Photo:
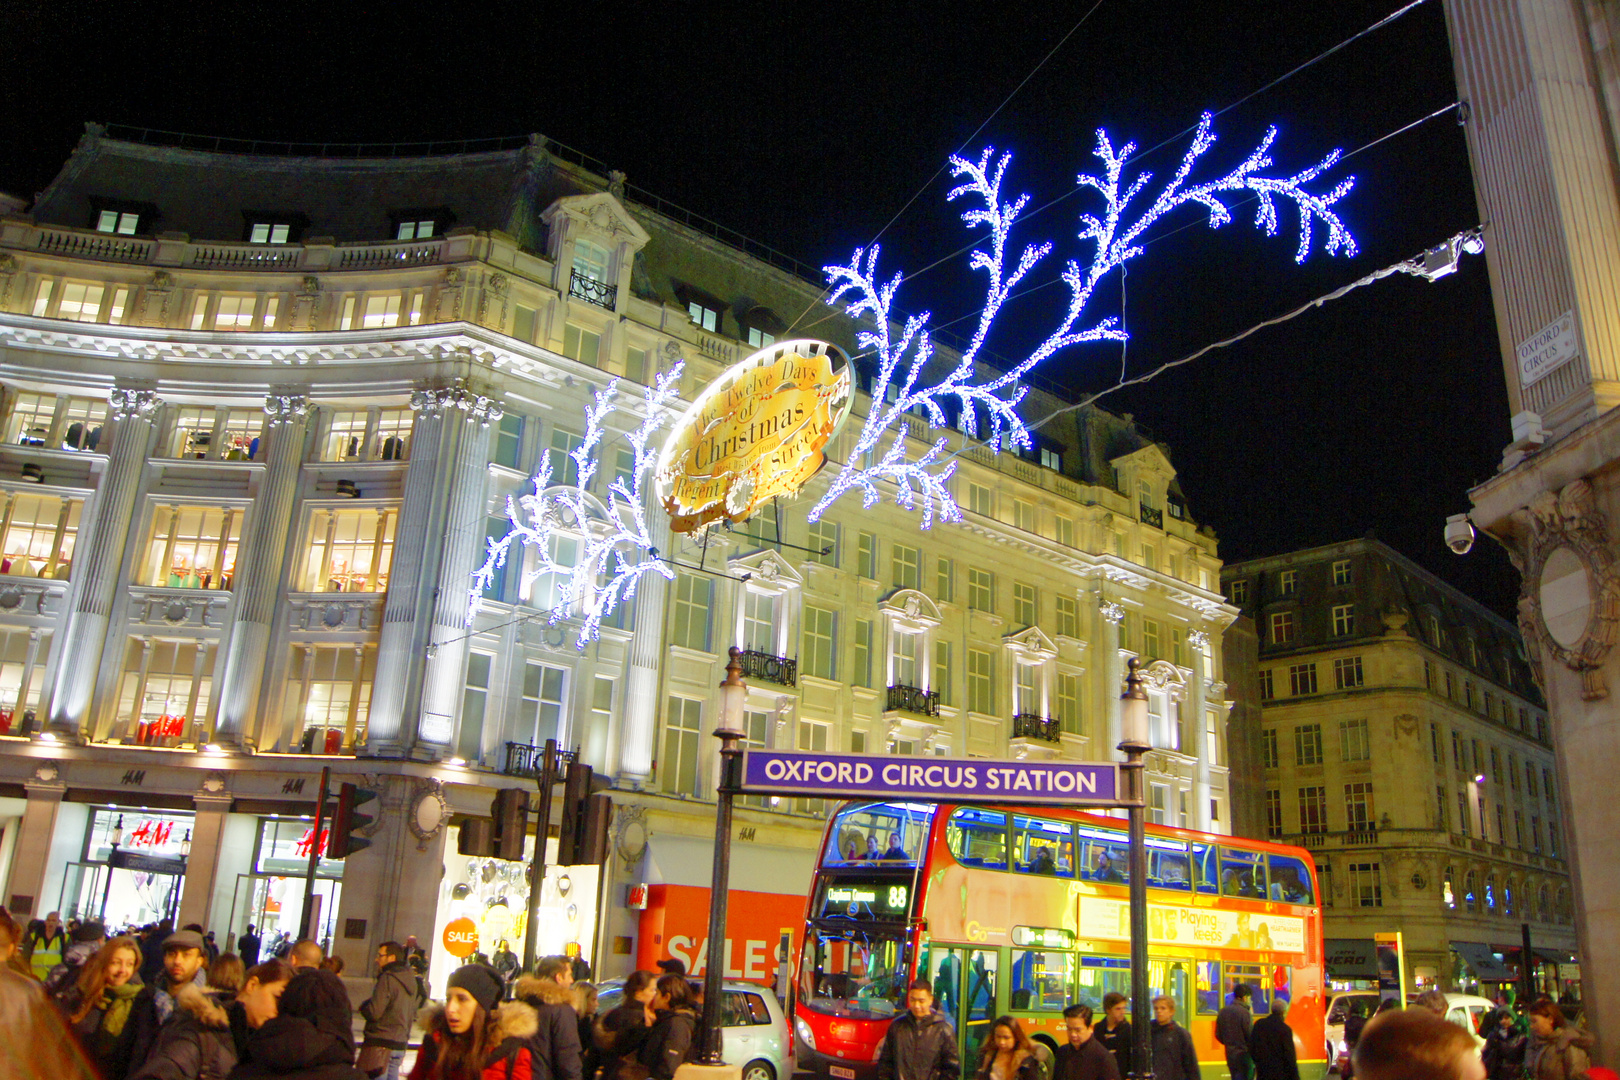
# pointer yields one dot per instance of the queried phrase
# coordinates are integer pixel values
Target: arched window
(1564, 913)
(1448, 896)
(1508, 890)
(1471, 891)
(1490, 894)
(1544, 904)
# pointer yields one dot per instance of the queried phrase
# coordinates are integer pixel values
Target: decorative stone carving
(285, 409)
(630, 834)
(47, 772)
(616, 179)
(1198, 639)
(492, 304)
(8, 275)
(476, 406)
(1114, 613)
(11, 599)
(429, 812)
(449, 307)
(1567, 561)
(155, 298)
(132, 404)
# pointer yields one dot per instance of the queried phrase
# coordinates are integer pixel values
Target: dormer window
(590, 260)
(758, 339)
(269, 232)
(420, 223)
(416, 230)
(762, 327)
(272, 226)
(123, 222)
(703, 315)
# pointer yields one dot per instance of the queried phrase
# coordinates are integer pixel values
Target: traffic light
(476, 838)
(343, 840)
(511, 813)
(593, 834)
(576, 789)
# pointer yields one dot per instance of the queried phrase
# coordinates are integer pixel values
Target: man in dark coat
(1271, 1044)
(556, 1042)
(392, 1006)
(247, 946)
(1083, 1057)
(1115, 1031)
(920, 1044)
(1232, 1031)
(1174, 1057)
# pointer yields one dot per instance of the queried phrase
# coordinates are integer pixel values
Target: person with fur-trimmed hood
(472, 1036)
(311, 1037)
(209, 1030)
(556, 1039)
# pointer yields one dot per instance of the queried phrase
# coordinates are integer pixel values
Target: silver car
(752, 1026)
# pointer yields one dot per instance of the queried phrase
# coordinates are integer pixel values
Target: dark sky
(809, 127)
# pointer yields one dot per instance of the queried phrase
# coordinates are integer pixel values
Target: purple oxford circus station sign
(792, 772)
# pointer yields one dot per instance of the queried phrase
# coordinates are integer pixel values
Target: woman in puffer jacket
(310, 1038)
(1558, 1049)
(473, 1036)
(210, 1029)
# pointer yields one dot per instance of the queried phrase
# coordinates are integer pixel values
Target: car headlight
(804, 1032)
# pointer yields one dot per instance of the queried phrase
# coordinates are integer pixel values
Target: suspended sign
(757, 432)
(818, 775)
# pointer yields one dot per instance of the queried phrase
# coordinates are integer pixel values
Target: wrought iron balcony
(525, 760)
(1033, 726)
(1151, 516)
(592, 290)
(914, 700)
(777, 669)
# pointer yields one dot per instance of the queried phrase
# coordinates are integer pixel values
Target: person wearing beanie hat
(310, 1038)
(475, 1037)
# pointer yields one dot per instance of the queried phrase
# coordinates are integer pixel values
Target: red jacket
(515, 1024)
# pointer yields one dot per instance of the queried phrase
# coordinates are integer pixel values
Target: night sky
(810, 127)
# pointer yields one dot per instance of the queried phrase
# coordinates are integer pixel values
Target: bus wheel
(758, 1069)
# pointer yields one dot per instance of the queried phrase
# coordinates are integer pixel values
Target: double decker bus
(1024, 911)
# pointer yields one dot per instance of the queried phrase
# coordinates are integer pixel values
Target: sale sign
(461, 937)
(675, 926)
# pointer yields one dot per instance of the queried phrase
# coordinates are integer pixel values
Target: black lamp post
(730, 732)
(106, 883)
(1133, 717)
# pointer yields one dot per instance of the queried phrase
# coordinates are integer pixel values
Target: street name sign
(979, 780)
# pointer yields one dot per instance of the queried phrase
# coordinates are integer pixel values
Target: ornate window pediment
(1163, 675)
(1032, 645)
(767, 572)
(598, 217)
(911, 611)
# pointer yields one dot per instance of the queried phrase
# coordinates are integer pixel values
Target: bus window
(1208, 974)
(1264, 980)
(859, 971)
(943, 968)
(1206, 867)
(978, 837)
(1042, 847)
(1174, 979)
(1243, 874)
(1290, 880)
(979, 1000)
(1100, 976)
(1107, 856)
(1167, 865)
(1040, 980)
(869, 832)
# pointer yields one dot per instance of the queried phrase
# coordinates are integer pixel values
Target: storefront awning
(688, 860)
(1351, 958)
(1485, 965)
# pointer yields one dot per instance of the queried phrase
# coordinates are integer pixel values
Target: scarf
(116, 1003)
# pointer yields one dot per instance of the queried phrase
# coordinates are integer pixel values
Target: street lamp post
(733, 696)
(1133, 717)
(106, 884)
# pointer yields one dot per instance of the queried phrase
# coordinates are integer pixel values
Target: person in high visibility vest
(46, 946)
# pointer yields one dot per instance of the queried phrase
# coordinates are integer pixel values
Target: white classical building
(260, 415)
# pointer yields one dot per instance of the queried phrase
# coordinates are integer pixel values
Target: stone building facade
(261, 414)
(1403, 741)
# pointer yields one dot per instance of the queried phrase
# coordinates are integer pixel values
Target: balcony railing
(1033, 726)
(175, 250)
(913, 700)
(1151, 516)
(525, 760)
(1349, 838)
(592, 290)
(777, 669)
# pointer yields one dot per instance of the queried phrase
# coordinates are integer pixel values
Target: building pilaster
(1112, 615)
(258, 582)
(639, 716)
(202, 864)
(31, 860)
(1199, 641)
(99, 559)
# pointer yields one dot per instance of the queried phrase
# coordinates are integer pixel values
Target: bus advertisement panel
(1024, 911)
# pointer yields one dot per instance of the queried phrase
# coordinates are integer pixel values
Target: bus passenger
(920, 1043)
(897, 851)
(1043, 863)
(871, 848)
(1105, 869)
(1007, 1054)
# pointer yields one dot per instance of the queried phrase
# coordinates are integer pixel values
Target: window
(1026, 688)
(1302, 679)
(582, 344)
(1440, 812)
(1468, 693)
(980, 696)
(368, 435)
(1288, 582)
(635, 365)
(39, 534)
(823, 543)
(1550, 788)
(1268, 748)
(1366, 885)
(906, 563)
(904, 660)
(979, 500)
(1496, 765)
(1428, 674)
(1268, 690)
(1023, 515)
(694, 596)
(1024, 604)
(1177, 654)
(330, 695)
(1535, 832)
(192, 547)
(945, 580)
(820, 643)
(1358, 806)
(541, 712)
(165, 690)
(1462, 812)
(981, 589)
(22, 674)
(349, 550)
(862, 675)
(269, 232)
(564, 467)
(1274, 822)
(942, 671)
(415, 230)
(759, 621)
(1239, 591)
(509, 441)
(1158, 802)
(1341, 572)
(1282, 627)
(759, 339)
(1150, 556)
(1471, 891)
(1068, 702)
(1065, 531)
(117, 221)
(683, 733)
(474, 700)
(1353, 742)
(1501, 824)
(1308, 744)
(1529, 777)
(703, 315)
(79, 302)
(866, 556)
(1150, 638)
(1434, 742)
(1051, 459)
(590, 260)
(1451, 686)
(1344, 620)
(1313, 809)
(1518, 829)
(1456, 750)
(1068, 621)
(380, 312)
(234, 311)
(1347, 672)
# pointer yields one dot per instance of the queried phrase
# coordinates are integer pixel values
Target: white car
(1468, 1012)
(1339, 1011)
(752, 1026)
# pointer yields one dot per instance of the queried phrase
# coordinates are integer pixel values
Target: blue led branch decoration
(903, 350)
(596, 558)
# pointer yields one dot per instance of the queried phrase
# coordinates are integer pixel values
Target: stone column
(466, 456)
(1113, 685)
(98, 561)
(32, 857)
(639, 724)
(258, 582)
(202, 865)
(392, 886)
(1198, 641)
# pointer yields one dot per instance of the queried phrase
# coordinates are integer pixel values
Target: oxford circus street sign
(977, 780)
(757, 432)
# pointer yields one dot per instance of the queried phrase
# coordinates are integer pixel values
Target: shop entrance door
(81, 891)
(277, 905)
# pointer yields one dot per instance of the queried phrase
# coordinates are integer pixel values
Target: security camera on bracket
(1459, 534)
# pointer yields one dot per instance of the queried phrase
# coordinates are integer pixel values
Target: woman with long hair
(103, 1003)
(1007, 1054)
(671, 1040)
(207, 1034)
(473, 1036)
(1558, 1049)
(619, 1033)
(583, 998)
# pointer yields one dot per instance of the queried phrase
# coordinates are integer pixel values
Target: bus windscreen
(891, 833)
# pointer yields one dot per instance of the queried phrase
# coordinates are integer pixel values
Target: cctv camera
(1459, 534)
